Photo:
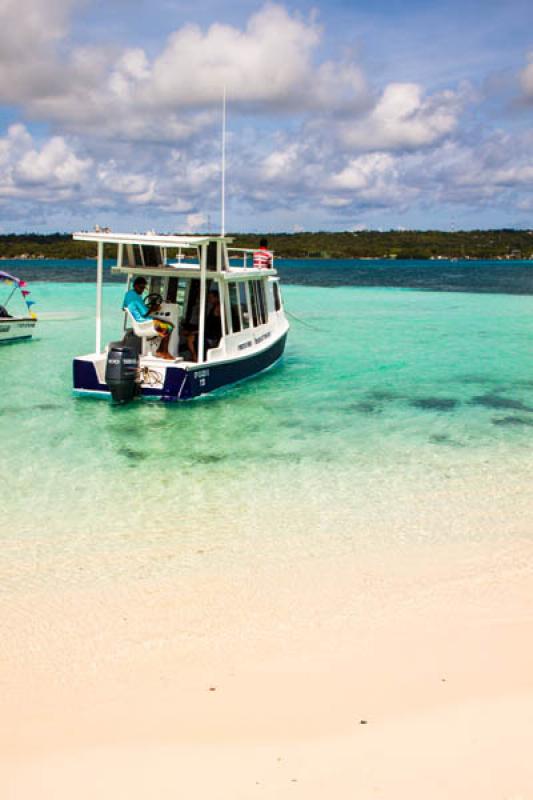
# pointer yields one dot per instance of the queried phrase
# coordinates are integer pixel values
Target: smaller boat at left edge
(17, 320)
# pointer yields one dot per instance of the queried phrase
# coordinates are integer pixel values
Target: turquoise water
(384, 395)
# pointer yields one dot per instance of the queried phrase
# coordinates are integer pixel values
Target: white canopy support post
(99, 284)
(227, 307)
(222, 296)
(129, 279)
(225, 257)
(239, 309)
(249, 304)
(201, 320)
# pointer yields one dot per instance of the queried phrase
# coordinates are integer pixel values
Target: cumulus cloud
(301, 177)
(362, 172)
(50, 172)
(403, 119)
(268, 66)
(502, 162)
(195, 223)
(495, 168)
(495, 171)
(268, 62)
(41, 172)
(14, 145)
(373, 180)
(29, 33)
(308, 171)
(136, 188)
(135, 133)
(54, 165)
(283, 163)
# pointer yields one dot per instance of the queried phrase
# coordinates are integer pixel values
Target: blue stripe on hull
(85, 377)
(209, 377)
(181, 384)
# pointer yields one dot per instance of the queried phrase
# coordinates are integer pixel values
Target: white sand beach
(405, 677)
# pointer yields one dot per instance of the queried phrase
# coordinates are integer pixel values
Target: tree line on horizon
(505, 243)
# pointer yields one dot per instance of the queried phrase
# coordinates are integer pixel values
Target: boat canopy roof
(138, 253)
(157, 239)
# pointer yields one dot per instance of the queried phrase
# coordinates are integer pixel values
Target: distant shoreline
(497, 244)
(40, 259)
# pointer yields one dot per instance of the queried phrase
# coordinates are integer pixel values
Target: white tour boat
(182, 275)
(17, 320)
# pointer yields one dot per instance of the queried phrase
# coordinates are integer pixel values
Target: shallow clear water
(385, 397)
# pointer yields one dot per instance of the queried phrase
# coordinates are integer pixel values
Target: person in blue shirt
(133, 301)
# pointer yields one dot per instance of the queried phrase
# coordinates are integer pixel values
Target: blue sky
(341, 115)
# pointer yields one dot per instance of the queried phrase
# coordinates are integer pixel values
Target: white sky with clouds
(341, 115)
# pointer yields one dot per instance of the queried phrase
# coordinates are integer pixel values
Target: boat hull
(186, 383)
(15, 330)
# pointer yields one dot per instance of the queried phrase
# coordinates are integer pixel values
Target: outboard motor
(121, 373)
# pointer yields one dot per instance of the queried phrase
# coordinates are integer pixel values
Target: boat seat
(144, 330)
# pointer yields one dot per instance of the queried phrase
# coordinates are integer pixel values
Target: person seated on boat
(212, 330)
(213, 323)
(4, 313)
(133, 301)
(189, 328)
(263, 257)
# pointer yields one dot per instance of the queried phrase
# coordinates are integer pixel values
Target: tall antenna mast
(223, 187)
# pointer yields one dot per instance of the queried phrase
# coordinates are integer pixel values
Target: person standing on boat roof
(263, 257)
(133, 301)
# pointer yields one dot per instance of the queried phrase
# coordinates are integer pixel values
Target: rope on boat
(303, 322)
(150, 376)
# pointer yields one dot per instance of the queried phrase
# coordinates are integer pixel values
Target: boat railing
(186, 257)
(235, 258)
(244, 254)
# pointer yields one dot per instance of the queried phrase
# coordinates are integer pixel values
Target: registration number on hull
(201, 376)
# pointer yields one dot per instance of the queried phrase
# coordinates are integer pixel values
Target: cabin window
(192, 303)
(172, 290)
(277, 296)
(235, 307)
(253, 298)
(183, 285)
(245, 303)
(133, 255)
(258, 303)
(218, 287)
(261, 302)
(152, 256)
(212, 252)
(177, 292)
